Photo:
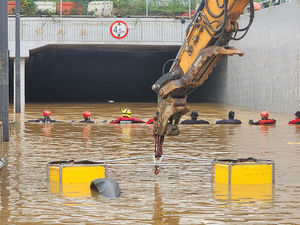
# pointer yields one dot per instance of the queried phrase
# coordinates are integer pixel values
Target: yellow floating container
(73, 179)
(243, 171)
(243, 180)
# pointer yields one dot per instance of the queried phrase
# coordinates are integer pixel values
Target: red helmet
(47, 113)
(86, 114)
(264, 114)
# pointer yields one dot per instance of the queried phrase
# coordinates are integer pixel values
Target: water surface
(178, 195)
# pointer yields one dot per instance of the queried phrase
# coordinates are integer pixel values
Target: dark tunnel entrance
(98, 73)
(95, 73)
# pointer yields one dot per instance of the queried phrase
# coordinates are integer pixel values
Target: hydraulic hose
(251, 17)
(246, 29)
(217, 32)
(163, 68)
(200, 8)
(220, 6)
(221, 27)
(225, 2)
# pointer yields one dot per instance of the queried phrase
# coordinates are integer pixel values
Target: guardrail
(110, 8)
(266, 4)
(270, 3)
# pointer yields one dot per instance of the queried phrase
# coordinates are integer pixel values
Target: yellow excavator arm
(212, 27)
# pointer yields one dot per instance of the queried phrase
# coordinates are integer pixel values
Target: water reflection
(243, 192)
(160, 216)
(264, 130)
(87, 130)
(47, 129)
(70, 190)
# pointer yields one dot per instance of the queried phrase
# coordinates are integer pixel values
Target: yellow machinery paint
(243, 181)
(73, 180)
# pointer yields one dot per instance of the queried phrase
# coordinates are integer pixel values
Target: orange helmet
(264, 114)
(47, 113)
(86, 114)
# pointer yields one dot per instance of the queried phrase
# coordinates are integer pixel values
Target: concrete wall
(40, 31)
(268, 76)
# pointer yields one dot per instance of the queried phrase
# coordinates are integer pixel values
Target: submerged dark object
(106, 187)
(2, 161)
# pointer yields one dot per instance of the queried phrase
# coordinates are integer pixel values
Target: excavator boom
(212, 27)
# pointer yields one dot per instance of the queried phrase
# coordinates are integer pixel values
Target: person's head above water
(264, 114)
(297, 114)
(47, 113)
(194, 115)
(86, 114)
(126, 112)
(231, 115)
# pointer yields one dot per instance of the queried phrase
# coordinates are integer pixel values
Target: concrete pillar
(19, 87)
(1, 138)
(4, 117)
(17, 105)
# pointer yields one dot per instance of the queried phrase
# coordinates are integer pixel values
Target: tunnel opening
(99, 73)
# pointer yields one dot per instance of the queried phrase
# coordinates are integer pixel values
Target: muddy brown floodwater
(177, 195)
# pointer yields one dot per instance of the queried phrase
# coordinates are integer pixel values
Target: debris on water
(2, 161)
(111, 101)
(106, 187)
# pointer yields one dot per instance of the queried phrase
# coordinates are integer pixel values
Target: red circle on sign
(118, 33)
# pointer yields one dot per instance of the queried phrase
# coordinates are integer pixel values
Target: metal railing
(114, 8)
(131, 8)
(270, 3)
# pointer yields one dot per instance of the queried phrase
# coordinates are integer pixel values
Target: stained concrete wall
(268, 76)
(38, 32)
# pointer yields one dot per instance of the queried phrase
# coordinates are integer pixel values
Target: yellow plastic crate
(243, 172)
(73, 180)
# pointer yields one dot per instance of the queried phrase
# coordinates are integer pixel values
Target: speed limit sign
(119, 29)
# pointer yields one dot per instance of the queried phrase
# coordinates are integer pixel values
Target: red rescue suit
(150, 121)
(264, 122)
(268, 121)
(126, 120)
(296, 121)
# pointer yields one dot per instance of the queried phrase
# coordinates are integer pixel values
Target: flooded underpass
(106, 71)
(177, 195)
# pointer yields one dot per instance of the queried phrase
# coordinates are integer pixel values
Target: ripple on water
(178, 195)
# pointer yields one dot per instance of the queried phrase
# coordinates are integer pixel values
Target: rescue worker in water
(126, 118)
(150, 121)
(264, 119)
(194, 115)
(230, 120)
(297, 119)
(46, 119)
(87, 117)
